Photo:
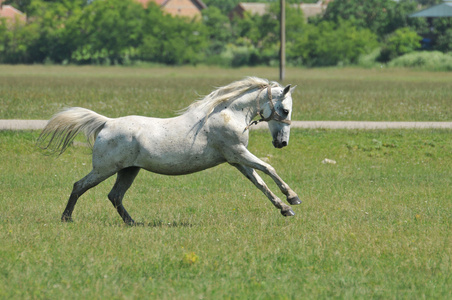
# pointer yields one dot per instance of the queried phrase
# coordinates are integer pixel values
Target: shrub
(331, 44)
(237, 56)
(427, 60)
(400, 42)
(444, 42)
(370, 60)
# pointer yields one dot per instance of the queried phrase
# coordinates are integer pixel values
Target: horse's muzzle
(279, 144)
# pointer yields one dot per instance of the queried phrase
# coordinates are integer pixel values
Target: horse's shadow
(161, 224)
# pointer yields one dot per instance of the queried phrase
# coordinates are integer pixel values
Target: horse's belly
(166, 154)
(178, 164)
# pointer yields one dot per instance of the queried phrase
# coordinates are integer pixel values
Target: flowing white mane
(230, 92)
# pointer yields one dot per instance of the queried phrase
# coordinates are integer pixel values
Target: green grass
(375, 225)
(37, 92)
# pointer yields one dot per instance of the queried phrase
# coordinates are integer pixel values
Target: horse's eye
(286, 111)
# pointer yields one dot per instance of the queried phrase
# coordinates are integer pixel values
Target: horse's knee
(111, 196)
(77, 188)
(114, 198)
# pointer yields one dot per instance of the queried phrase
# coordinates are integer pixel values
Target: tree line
(123, 32)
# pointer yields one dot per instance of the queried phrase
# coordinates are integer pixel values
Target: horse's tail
(63, 127)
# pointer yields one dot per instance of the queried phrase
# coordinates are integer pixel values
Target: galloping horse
(209, 132)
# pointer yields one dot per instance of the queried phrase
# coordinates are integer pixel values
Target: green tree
(15, 42)
(52, 18)
(218, 30)
(43, 36)
(442, 28)
(380, 16)
(429, 2)
(444, 42)
(172, 40)
(402, 41)
(226, 6)
(108, 31)
(253, 35)
(329, 43)
(398, 17)
(371, 14)
(261, 34)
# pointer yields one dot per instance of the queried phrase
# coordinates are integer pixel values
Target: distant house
(255, 8)
(443, 10)
(312, 9)
(252, 8)
(11, 14)
(181, 8)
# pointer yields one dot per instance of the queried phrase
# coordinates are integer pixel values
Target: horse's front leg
(252, 175)
(244, 157)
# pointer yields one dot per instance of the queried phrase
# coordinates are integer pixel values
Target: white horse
(209, 132)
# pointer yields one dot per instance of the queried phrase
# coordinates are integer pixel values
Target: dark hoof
(294, 201)
(66, 219)
(132, 223)
(287, 213)
(136, 223)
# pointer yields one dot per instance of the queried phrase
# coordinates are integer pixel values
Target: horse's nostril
(284, 144)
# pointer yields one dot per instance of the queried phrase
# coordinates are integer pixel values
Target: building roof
(162, 3)
(7, 11)
(254, 8)
(437, 11)
(197, 3)
(312, 9)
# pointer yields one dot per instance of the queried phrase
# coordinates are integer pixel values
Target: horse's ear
(286, 90)
(292, 89)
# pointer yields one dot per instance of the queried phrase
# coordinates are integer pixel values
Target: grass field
(377, 224)
(37, 92)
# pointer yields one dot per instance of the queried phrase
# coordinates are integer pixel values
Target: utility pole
(282, 51)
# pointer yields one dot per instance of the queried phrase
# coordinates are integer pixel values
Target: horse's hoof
(135, 224)
(131, 223)
(287, 213)
(66, 219)
(294, 201)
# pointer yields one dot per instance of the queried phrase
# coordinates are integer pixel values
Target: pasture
(375, 225)
(37, 92)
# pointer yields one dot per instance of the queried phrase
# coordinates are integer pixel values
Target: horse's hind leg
(123, 182)
(80, 187)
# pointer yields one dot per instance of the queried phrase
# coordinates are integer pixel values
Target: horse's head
(277, 111)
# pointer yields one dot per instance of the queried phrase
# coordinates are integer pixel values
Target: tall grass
(37, 92)
(374, 225)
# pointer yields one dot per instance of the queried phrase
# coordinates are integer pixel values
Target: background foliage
(123, 32)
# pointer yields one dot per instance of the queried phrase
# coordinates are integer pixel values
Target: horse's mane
(229, 92)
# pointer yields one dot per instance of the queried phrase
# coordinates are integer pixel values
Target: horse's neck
(246, 106)
(250, 104)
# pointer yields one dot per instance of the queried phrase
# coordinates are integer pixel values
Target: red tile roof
(187, 8)
(7, 11)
